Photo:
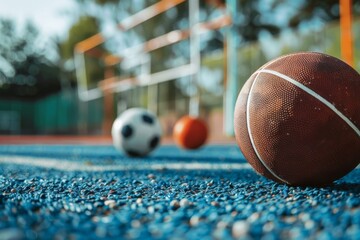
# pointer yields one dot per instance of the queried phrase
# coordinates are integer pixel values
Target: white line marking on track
(64, 165)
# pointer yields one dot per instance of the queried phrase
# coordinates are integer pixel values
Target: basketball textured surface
(297, 119)
(190, 132)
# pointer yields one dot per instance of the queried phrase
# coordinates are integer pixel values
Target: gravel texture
(43, 203)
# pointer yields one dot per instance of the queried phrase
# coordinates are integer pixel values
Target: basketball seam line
(251, 138)
(315, 95)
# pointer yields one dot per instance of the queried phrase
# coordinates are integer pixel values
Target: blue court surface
(94, 192)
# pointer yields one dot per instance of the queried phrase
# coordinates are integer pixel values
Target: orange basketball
(190, 132)
(297, 119)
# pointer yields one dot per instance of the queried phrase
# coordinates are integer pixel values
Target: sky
(49, 16)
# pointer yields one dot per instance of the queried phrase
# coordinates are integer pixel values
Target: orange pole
(347, 52)
(89, 43)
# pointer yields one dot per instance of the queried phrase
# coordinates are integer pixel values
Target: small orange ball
(190, 132)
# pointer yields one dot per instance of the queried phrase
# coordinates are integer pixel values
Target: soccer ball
(136, 132)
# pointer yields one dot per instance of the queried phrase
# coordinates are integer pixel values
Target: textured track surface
(164, 203)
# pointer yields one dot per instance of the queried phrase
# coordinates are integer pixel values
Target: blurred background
(41, 81)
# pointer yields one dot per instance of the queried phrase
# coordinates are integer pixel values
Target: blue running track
(94, 192)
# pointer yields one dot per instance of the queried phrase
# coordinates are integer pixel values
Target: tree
(84, 27)
(318, 10)
(253, 16)
(27, 71)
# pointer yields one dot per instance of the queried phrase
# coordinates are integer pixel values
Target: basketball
(190, 132)
(297, 119)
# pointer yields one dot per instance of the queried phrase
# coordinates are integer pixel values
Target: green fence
(16, 117)
(60, 113)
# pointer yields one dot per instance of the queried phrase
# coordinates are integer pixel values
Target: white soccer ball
(136, 132)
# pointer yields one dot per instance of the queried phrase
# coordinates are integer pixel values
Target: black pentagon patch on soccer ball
(127, 131)
(154, 142)
(147, 119)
